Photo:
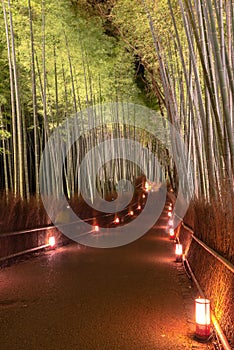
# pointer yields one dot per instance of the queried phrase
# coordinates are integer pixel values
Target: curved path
(133, 297)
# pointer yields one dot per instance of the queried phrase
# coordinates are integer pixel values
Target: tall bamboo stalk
(13, 115)
(34, 101)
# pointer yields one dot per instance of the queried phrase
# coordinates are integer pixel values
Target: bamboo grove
(186, 50)
(185, 55)
(199, 90)
(54, 63)
(58, 59)
(199, 98)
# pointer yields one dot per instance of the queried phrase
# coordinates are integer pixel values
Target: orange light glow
(52, 241)
(170, 222)
(143, 196)
(171, 232)
(179, 249)
(117, 220)
(169, 214)
(96, 228)
(131, 213)
(202, 313)
(147, 186)
(139, 207)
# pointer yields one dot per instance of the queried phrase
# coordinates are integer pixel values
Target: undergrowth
(213, 223)
(17, 214)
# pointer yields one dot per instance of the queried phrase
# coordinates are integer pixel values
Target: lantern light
(96, 228)
(169, 214)
(172, 233)
(143, 196)
(139, 207)
(202, 313)
(147, 186)
(52, 241)
(170, 222)
(117, 220)
(178, 252)
(131, 213)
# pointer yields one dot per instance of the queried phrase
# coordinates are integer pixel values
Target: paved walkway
(133, 297)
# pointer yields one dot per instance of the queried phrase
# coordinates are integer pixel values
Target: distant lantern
(143, 196)
(169, 214)
(172, 233)
(139, 207)
(202, 313)
(178, 252)
(96, 228)
(147, 187)
(131, 213)
(117, 220)
(52, 241)
(170, 222)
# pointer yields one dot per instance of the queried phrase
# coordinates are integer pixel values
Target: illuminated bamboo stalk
(20, 148)
(4, 151)
(13, 115)
(34, 100)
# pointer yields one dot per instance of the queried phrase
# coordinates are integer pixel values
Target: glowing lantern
(143, 196)
(172, 233)
(96, 228)
(169, 214)
(139, 207)
(117, 220)
(170, 222)
(52, 241)
(131, 213)
(178, 252)
(202, 311)
(147, 187)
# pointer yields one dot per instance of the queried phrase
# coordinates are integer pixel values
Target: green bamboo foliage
(59, 65)
(14, 135)
(54, 59)
(197, 81)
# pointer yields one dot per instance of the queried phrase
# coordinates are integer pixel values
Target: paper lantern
(172, 233)
(52, 241)
(170, 222)
(147, 186)
(202, 313)
(178, 252)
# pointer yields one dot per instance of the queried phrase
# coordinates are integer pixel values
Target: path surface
(133, 297)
